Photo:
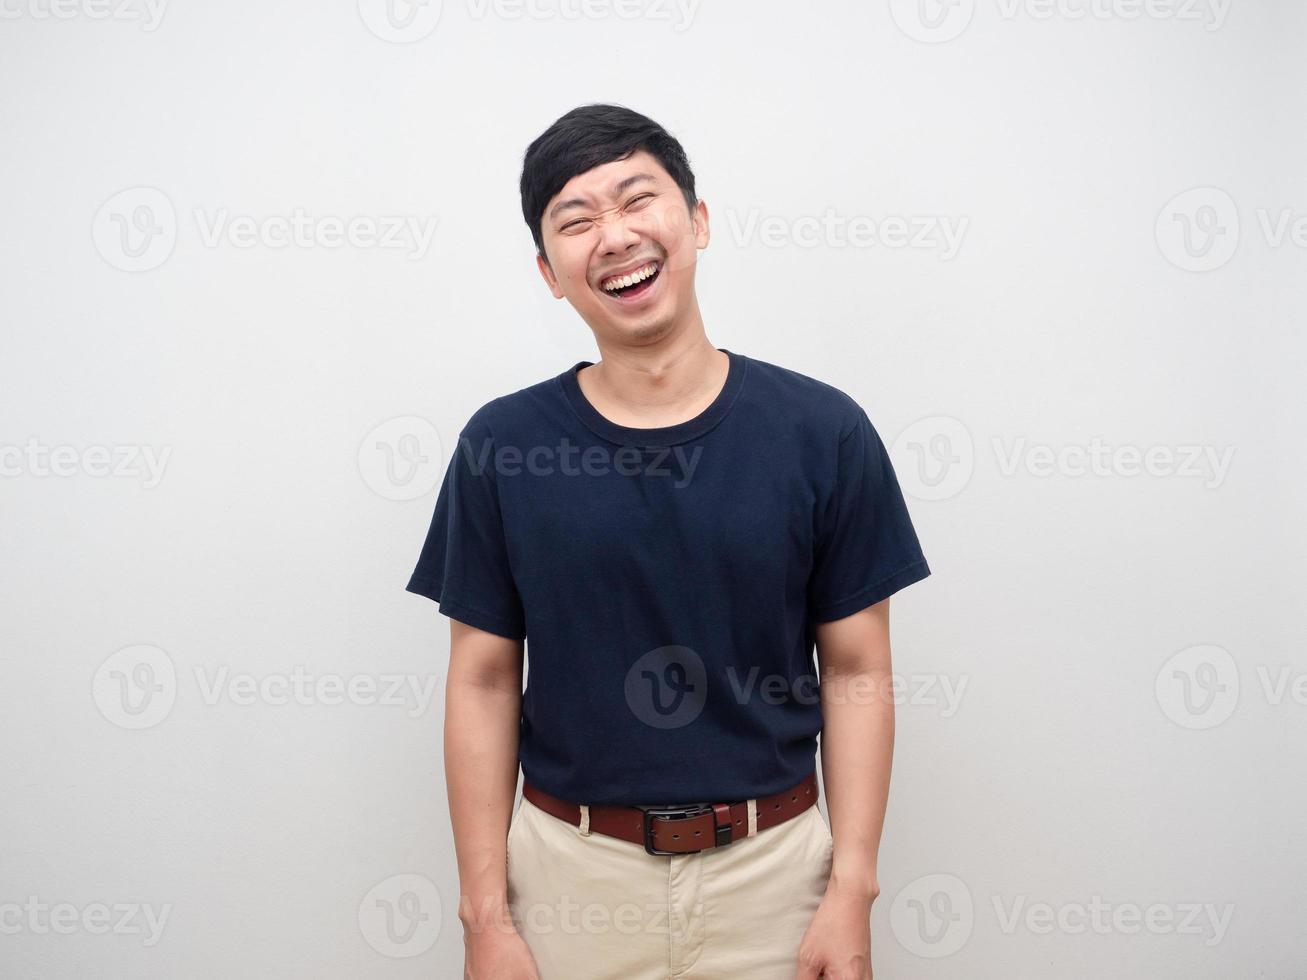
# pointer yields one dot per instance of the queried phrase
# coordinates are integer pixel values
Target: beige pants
(593, 907)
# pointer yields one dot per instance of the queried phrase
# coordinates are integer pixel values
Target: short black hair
(587, 137)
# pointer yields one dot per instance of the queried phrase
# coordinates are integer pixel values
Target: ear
(551, 280)
(701, 234)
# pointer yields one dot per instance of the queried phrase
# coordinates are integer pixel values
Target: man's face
(621, 218)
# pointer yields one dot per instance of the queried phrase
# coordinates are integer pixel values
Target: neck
(655, 384)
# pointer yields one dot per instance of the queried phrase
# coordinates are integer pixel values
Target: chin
(630, 333)
(648, 332)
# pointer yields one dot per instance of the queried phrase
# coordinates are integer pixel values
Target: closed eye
(640, 199)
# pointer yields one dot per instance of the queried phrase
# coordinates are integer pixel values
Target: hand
(837, 944)
(497, 954)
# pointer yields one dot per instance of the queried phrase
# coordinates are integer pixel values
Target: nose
(617, 234)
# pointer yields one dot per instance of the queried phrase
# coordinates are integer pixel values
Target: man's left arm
(857, 746)
(857, 742)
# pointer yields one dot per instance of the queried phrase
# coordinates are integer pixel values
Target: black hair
(587, 137)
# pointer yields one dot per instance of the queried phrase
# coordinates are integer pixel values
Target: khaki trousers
(593, 907)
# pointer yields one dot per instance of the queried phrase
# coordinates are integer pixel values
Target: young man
(671, 529)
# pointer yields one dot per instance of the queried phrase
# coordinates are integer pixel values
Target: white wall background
(1099, 764)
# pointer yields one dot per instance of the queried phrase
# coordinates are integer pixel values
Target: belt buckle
(683, 812)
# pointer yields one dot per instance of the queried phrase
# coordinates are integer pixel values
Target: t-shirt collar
(667, 435)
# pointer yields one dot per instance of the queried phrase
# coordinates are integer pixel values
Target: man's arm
(857, 744)
(483, 709)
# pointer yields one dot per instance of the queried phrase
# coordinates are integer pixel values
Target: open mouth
(627, 294)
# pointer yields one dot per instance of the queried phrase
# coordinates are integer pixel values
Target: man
(671, 529)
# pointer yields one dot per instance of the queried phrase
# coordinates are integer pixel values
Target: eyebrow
(580, 202)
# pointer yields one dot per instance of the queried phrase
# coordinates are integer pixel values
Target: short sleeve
(866, 547)
(464, 561)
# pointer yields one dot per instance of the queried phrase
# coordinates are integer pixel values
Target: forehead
(602, 182)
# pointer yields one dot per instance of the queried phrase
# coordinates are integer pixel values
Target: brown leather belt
(684, 829)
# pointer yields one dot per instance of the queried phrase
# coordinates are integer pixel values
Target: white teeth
(638, 276)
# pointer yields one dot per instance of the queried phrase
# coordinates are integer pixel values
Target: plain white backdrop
(260, 261)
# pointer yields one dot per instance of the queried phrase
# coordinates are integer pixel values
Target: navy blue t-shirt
(667, 581)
